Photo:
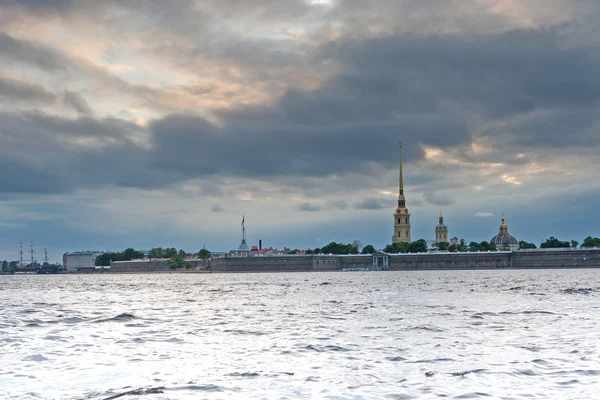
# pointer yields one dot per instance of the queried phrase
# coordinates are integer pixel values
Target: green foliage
(524, 245)
(159, 252)
(293, 252)
(309, 251)
(443, 246)
(4, 264)
(453, 248)
(574, 244)
(204, 254)
(13, 264)
(339, 248)
(399, 247)
(368, 249)
(591, 242)
(316, 251)
(418, 246)
(357, 244)
(554, 243)
(179, 261)
(482, 246)
(126, 255)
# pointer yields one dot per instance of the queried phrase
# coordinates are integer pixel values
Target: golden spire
(401, 179)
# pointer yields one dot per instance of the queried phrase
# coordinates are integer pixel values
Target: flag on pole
(242, 220)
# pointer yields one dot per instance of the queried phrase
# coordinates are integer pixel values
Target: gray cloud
(76, 102)
(437, 199)
(308, 207)
(339, 204)
(14, 91)
(372, 203)
(217, 208)
(29, 52)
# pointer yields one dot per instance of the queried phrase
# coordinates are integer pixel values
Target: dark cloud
(372, 203)
(217, 208)
(308, 207)
(29, 52)
(14, 91)
(76, 102)
(339, 204)
(437, 199)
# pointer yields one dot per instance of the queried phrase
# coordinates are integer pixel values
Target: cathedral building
(503, 240)
(441, 231)
(401, 215)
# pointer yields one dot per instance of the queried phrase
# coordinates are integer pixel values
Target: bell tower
(401, 215)
(441, 231)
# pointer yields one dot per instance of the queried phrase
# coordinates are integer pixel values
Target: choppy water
(345, 335)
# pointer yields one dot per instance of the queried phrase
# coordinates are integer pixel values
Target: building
(72, 262)
(401, 215)
(503, 240)
(441, 231)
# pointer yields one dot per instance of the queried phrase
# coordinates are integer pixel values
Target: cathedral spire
(401, 215)
(401, 179)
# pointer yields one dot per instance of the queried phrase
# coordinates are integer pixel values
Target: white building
(79, 259)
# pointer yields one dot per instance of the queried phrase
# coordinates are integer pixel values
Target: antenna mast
(45, 256)
(21, 254)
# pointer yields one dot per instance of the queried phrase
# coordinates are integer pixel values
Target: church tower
(401, 215)
(441, 231)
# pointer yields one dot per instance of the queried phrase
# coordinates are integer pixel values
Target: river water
(343, 335)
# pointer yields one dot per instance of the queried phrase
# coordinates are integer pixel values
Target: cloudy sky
(148, 123)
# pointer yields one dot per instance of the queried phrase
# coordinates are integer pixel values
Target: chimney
(260, 244)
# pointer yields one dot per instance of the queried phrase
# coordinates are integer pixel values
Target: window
(406, 234)
(398, 234)
(398, 220)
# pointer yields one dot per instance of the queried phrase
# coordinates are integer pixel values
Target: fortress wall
(582, 258)
(139, 266)
(450, 261)
(291, 263)
(362, 261)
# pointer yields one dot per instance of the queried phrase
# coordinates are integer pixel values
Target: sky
(146, 123)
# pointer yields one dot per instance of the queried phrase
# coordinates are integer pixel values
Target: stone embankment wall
(582, 258)
(450, 261)
(139, 266)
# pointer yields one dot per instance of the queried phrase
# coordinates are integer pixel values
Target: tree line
(177, 258)
(420, 246)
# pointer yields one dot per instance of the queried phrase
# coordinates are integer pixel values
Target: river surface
(342, 335)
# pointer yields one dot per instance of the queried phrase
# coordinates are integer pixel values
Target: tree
(204, 254)
(462, 246)
(4, 265)
(368, 249)
(309, 251)
(574, 244)
(554, 243)
(316, 251)
(357, 244)
(418, 246)
(179, 262)
(13, 264)
(443, 246)
(473, 247)
(293, 252)
(339, 248)
(453, 248)
(524, 245)
(591, 242)
(399, 247)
